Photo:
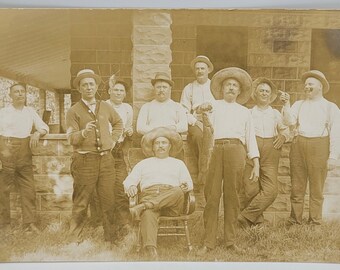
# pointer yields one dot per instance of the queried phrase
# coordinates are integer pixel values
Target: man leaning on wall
(16, 142)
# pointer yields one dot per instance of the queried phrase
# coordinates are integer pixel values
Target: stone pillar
(151, 53)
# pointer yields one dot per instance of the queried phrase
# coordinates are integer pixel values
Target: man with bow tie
(92, 164)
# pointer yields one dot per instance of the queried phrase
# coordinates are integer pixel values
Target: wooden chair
(168, 226)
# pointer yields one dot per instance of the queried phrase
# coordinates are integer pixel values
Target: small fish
(207, 147)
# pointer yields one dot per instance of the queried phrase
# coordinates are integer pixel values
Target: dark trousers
(308, 161)
(225, 171)
(256, 197)
(122, 214)
(92, 172)
(16, 158)
(167, 201)
(195, 140)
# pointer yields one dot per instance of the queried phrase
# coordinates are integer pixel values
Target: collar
(89, 103)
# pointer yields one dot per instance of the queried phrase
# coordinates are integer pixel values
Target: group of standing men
(246, 146)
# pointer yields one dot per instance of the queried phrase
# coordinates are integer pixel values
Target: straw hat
(317, 75)
(204, 59)
(86, 73)
(232, 73)
(260, 80)
(174, 138)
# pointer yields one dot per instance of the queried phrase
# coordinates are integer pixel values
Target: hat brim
(260, 80)
(324, 82)
(235, 73)
(204, 60)
(86, 75)
(153, 81)
(174, 138)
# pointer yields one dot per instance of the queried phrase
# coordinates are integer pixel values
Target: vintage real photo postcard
(178, 135)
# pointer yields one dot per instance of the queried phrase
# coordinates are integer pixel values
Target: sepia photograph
(169, 135)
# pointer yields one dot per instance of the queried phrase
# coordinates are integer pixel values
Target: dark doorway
(225, 46)
(325, 56)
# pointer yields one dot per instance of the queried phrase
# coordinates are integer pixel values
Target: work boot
(151, 253)
(244, 222)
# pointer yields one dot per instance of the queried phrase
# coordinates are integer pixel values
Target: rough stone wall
(151, 53)
(53, 182)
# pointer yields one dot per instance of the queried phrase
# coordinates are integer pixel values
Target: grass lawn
(302, 243)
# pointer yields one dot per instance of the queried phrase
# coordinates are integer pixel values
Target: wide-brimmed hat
(86, 73)
(317, 75)
(232, 73)
(260, 80)
(204, 59)
(174, 138)
(162, 76)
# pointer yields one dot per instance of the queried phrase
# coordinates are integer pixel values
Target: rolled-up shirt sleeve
(185, 176)
(38, 123)
(182, 123)
(134, 178)
(290, 113)
(250, 138)
(281, 127)
(142, 122)
(186, 103)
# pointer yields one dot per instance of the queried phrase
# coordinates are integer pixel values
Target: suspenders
(328, 120)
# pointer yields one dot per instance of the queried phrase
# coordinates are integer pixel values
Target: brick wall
(279, 48)
(101, 40)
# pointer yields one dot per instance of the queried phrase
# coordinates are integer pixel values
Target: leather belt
(102, 153)
(228, 141)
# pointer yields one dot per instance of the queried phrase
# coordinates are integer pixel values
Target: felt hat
(162, 76)
(232, 73)
(174, 138)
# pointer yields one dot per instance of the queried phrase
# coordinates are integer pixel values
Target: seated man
(162, 179)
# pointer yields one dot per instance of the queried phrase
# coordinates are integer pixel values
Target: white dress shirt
(268, 123)
(126, 114)
(232, 120)
(18, 123)
(194, 94)
(159, 171)
(311, 118)
(156, 114)
(91, 105)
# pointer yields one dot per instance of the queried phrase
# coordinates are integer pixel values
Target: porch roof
(35, 47)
